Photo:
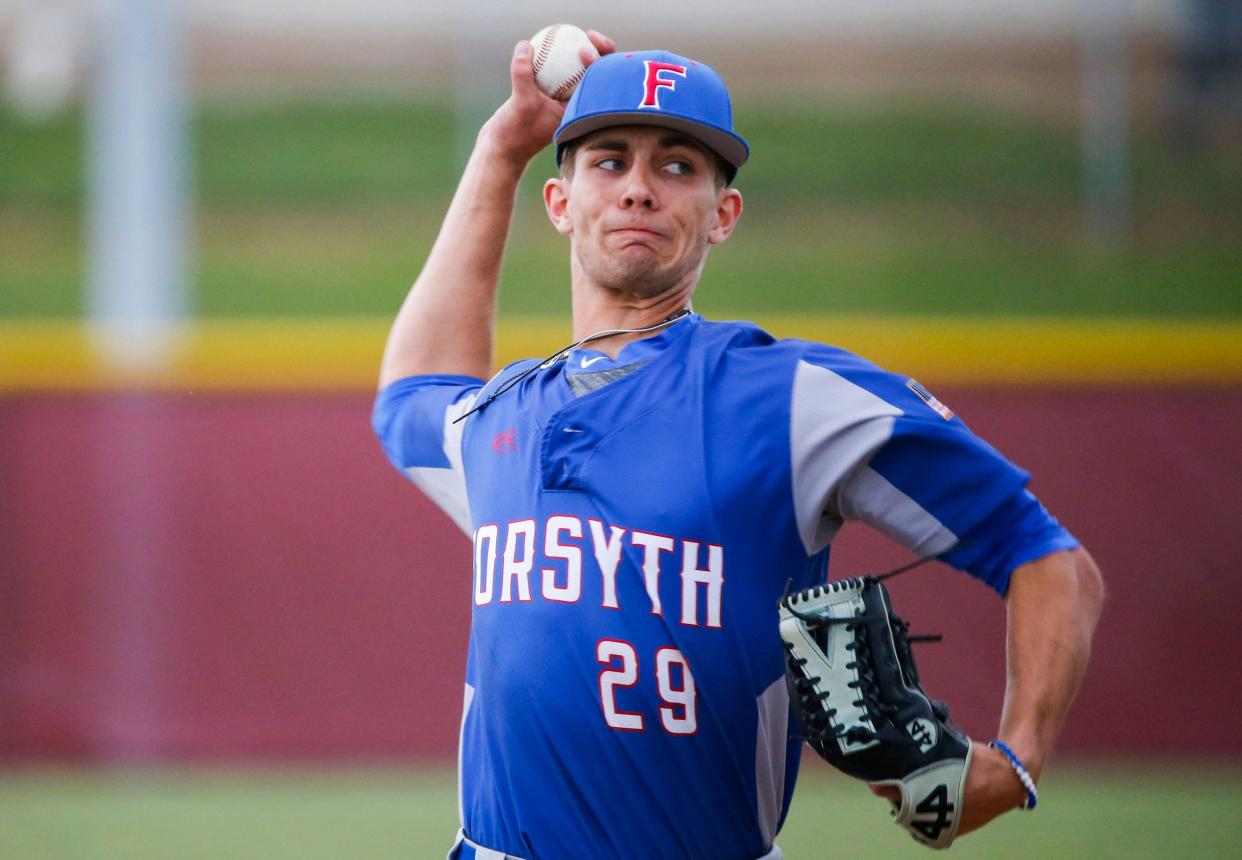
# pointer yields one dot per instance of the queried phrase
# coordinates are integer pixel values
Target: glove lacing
(819, 720)
(902, 639)
(866, 685)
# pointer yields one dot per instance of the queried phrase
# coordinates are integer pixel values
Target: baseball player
(639, 502)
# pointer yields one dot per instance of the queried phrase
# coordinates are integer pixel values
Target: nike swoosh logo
(587, 362)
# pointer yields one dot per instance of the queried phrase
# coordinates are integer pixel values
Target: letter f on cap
(653, 83)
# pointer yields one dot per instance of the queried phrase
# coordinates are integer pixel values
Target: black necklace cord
(563, 353)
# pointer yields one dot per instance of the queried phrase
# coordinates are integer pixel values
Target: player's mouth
(636, 233)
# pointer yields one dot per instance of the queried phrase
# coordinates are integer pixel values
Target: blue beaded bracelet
(1023, 774)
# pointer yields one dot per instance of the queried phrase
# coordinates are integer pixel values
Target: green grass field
(306, 814)
(326, 206)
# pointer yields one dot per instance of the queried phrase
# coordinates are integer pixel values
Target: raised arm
(1053, 605)
(446, 323)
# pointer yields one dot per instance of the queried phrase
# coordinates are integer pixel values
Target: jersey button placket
(566, 446)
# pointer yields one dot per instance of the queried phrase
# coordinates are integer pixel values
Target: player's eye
(679, 168)
(610, 164)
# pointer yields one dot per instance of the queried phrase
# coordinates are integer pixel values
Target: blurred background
(229, 628)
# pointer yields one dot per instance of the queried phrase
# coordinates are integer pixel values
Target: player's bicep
(836, 425)
(878, 448)
(1017, 532)
(936, 488)
(415, 420)
(868, 497)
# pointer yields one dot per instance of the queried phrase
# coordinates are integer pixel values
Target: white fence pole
(1106, 195)
(137, 287)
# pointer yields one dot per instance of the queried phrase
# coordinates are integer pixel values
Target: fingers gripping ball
(558, 61)
(856, 692)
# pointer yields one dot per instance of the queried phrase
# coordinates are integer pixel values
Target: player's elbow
(1089, 587)
(1083, 590)
(1066, 586)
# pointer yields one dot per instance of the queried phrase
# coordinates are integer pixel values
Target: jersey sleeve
(414, 420)
(878, 448)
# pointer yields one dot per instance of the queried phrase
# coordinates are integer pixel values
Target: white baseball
(558, 67)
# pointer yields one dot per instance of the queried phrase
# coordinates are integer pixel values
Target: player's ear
(556, 202)
(728, 210)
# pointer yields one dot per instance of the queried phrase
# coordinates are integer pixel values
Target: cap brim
(731, 147)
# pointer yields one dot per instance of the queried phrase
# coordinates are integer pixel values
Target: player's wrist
(1027, 749)
(1021, 784)
(500, 152)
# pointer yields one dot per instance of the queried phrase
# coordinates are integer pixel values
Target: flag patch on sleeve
(926, 396)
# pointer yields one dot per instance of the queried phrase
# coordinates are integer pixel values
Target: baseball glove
(855, 689)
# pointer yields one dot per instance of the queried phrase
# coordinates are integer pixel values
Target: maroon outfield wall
(244, 576)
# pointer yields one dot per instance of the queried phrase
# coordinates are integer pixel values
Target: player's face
(641, 206)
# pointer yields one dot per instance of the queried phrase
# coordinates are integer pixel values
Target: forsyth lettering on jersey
(505, 559)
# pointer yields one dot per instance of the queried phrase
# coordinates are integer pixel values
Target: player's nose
(638, 190)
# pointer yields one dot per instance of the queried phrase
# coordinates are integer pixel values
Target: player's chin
(635, 270)
(636, 261)
(638, 282)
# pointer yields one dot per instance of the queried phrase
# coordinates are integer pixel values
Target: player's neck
(596, 310)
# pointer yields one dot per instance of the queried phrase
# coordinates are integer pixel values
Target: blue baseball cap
(654, 88)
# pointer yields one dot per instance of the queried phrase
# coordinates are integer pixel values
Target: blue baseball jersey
(625, 692)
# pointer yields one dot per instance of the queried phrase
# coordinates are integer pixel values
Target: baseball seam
(545, 48)
(569, 84)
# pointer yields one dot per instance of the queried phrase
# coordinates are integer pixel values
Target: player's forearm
(1053, 606)
(447, 320)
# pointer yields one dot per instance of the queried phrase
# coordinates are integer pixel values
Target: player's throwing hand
(524, 124)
